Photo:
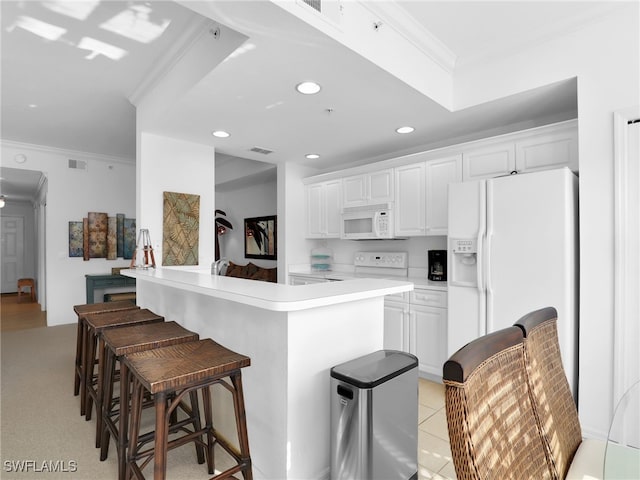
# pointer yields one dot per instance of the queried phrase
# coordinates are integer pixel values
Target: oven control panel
(381, 259)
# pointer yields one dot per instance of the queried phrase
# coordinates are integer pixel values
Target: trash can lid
(375, 368)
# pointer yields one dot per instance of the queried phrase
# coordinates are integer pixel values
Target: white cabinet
(368, 188)
(439, 174)
(539, 149)
(548, 150)
(417, 324)
(488, 161)
(429, 329)
(396, 322)
(323, 201)
(410, 207)
(305, 280)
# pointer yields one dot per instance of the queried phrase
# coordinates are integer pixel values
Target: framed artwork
(180, 228)
(76, 239)
(260, 239)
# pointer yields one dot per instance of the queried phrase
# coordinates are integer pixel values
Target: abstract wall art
(180, 228)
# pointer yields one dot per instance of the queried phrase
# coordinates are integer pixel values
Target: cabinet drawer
(429, 298)
(398, 297)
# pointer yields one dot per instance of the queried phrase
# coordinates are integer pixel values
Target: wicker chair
(571, 457)
(493, 430)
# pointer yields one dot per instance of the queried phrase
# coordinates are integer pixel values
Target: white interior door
(12, 252)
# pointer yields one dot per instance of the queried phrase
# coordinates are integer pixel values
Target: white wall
(169, 165)
(107, 185)
(256, 200)
(605, 57)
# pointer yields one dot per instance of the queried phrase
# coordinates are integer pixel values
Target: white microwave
(368, 222)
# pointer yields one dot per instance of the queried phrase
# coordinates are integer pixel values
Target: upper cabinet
(548, 150)
(440, 173)
(368, 188)
(323, 203)
(488, 161)
(417, 184)
(539, 149)
(410, 206)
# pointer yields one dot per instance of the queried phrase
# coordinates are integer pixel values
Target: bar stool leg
(89, 367)
(78, 367)
(241, 425)
(208, 418)
(161, 437)
(123, 422)
(107, 401)
(197, 425)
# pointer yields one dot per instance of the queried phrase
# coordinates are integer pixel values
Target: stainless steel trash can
(374, 417)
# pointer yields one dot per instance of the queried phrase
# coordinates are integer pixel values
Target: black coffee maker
(437, 265)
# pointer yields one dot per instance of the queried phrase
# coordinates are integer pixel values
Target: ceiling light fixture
(405, 130)
(220, 134)
(2, 201)
(312, 156)
(20, 158)
(308, 88)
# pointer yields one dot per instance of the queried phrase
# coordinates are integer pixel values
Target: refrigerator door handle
(481, 260)
(487, 267)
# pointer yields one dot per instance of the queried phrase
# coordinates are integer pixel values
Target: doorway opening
(22, 255)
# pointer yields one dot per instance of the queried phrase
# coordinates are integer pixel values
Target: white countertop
(270, 296)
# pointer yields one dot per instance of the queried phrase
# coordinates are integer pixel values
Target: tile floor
(434, 454)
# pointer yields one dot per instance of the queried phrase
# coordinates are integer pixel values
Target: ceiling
(69, 70)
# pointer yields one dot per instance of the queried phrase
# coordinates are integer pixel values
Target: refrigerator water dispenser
(464, 262)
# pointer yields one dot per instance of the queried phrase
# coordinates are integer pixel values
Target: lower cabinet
(305, 280)
(417, 323)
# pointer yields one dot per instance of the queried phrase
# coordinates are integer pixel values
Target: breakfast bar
(293, 335)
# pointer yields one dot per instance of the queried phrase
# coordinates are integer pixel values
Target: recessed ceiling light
(308, 88)
(220, 134)
(405, 130)
(312, 156)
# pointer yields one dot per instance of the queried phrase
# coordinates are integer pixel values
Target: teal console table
(95, 282)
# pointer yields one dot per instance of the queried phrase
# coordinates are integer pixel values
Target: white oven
(367, 222)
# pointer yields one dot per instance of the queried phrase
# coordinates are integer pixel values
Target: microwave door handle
(376, 225)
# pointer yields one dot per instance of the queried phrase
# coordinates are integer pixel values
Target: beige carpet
(40, 426)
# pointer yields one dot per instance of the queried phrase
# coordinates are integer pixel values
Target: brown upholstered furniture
(81, 311)
(176, 371)
(252, 272)
(493, 429)
(123, 341)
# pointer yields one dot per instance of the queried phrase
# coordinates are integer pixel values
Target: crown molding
(161, 67)
(394, 16)
(75, 154)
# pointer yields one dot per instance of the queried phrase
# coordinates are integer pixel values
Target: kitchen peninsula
(293, 334)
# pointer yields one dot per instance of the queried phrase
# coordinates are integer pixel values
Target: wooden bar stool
(81, 311)
(24, 283)
(177, 371)
(119, 342)
(94, 349)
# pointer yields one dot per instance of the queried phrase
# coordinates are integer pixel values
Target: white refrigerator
(512, 249)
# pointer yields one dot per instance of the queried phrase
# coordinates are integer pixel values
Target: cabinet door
(489, 161)
(354, 190)
(548, 150)
(396, 326)
(440, 173)
(380, 186)
(430, 327)
(333, 206)
(410, 205)
(315, 214)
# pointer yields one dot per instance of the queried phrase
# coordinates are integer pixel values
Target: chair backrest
(493, 431)
(552, 399)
